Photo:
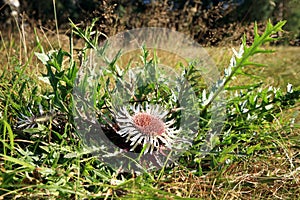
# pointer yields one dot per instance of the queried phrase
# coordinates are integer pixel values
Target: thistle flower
(146, 127)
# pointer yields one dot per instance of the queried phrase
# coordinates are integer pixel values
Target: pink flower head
(146, 127)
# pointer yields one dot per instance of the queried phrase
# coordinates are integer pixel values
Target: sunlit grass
(281, 67)
(47, 162)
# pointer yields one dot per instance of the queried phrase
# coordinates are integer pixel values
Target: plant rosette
(135, 104)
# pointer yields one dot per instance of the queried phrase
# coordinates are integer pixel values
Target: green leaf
(18, 161)
(256, 35)
(254, 64)
(251, 149)
(42, 57)
(226, 152)
(259, 50)
(10, 133)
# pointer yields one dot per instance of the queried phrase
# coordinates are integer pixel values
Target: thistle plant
(139, 128)
(246, 104)
(220, 92)
(241, 58)
(146, 128)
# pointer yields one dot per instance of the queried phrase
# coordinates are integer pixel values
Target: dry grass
(268, 174)
(281, 67)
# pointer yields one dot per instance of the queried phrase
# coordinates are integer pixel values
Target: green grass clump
(256, 155)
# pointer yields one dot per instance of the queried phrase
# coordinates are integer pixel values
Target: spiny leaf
(254, 64)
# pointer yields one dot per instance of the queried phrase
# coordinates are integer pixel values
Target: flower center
(148, 124)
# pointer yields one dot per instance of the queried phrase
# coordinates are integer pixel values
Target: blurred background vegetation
(210, 22)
